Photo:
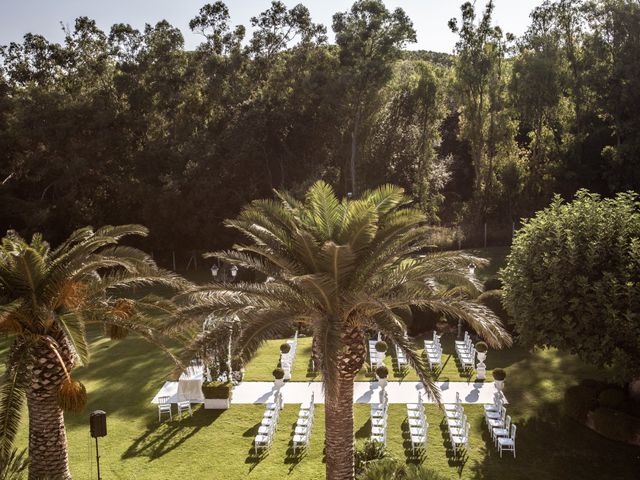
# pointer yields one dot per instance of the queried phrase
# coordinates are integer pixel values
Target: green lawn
(124, 376)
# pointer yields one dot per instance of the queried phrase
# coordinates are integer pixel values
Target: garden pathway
(364, 392)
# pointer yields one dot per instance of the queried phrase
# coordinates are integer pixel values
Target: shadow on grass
(557, 448)
(162, 438)
(457, 460)
(365, 430)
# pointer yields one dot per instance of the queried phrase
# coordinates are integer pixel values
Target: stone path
(364, 392)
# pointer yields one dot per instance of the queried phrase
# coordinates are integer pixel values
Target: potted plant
(481, 350)
(498, 378)
(217, 395)
(382, 372)
(381, 346)
(278, 375)
(285, 348)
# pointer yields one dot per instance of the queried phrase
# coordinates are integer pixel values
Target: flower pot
(499, 384)
(482, 356)
(383, 382)
(278, 382)
(217, 403)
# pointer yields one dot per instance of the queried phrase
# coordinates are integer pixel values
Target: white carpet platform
(364, 392)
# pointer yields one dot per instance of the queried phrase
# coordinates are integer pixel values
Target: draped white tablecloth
(190, 385)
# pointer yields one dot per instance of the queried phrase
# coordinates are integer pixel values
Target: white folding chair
(454, 414)
(449, 407)
(457, 427)
(263, 441)
(416, 406)
(184, 406)
(301, 440)
(495, 415)
(419, 438)
(501, 431)
(508, 444)
(164, 407)
(497, 422)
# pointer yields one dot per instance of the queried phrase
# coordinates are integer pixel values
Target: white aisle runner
(365, 392)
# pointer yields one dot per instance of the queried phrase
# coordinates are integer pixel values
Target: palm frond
(12, 399)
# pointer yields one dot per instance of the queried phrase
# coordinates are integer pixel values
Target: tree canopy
(572, 280)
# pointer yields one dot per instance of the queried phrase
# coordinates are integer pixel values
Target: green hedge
(217, 390)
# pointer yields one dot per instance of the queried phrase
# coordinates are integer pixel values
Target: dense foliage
(127, 126)
(572, 280)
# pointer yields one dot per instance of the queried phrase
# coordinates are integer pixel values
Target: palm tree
(346, 269)
(47, 298)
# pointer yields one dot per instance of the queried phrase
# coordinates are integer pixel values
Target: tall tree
(369, 38)
(47, 299)
(479, 84)
(345, 269)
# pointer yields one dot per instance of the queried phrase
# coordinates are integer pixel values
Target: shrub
(612, 398)
(579, 400)
(285, 348)
(492, 283)
(482, 347)
(369, 452)
(499, 374)
(217, 390)
(381, 346)
(278, 373)
(382, 371)
(614, 425)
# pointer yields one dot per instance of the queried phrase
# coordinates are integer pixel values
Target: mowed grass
(124, 376)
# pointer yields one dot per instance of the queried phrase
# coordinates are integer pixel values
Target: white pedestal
(278, 382)
(481, 371)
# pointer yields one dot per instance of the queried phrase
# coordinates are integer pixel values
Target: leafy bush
(382, 371)
(217, 390)
(615, 425)
(278, 373)
(369, 452)
(492, 283)
(579, 400)
(499, 374)
(285, 348)
(571, 280)
(482, 347)
(390, 468)
(381, 346)
(612, 398)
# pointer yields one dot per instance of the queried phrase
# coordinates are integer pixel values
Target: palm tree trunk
(47, 436)
(339, 431)
(47, 439)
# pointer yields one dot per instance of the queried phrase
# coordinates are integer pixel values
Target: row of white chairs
(379, 413)
(433, 351)
(502, 431)
(418, 425)
(302, 431)
(466, 352)
(269, 424)
(457, 426)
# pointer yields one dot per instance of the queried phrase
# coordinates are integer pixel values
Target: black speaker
(98, 424)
